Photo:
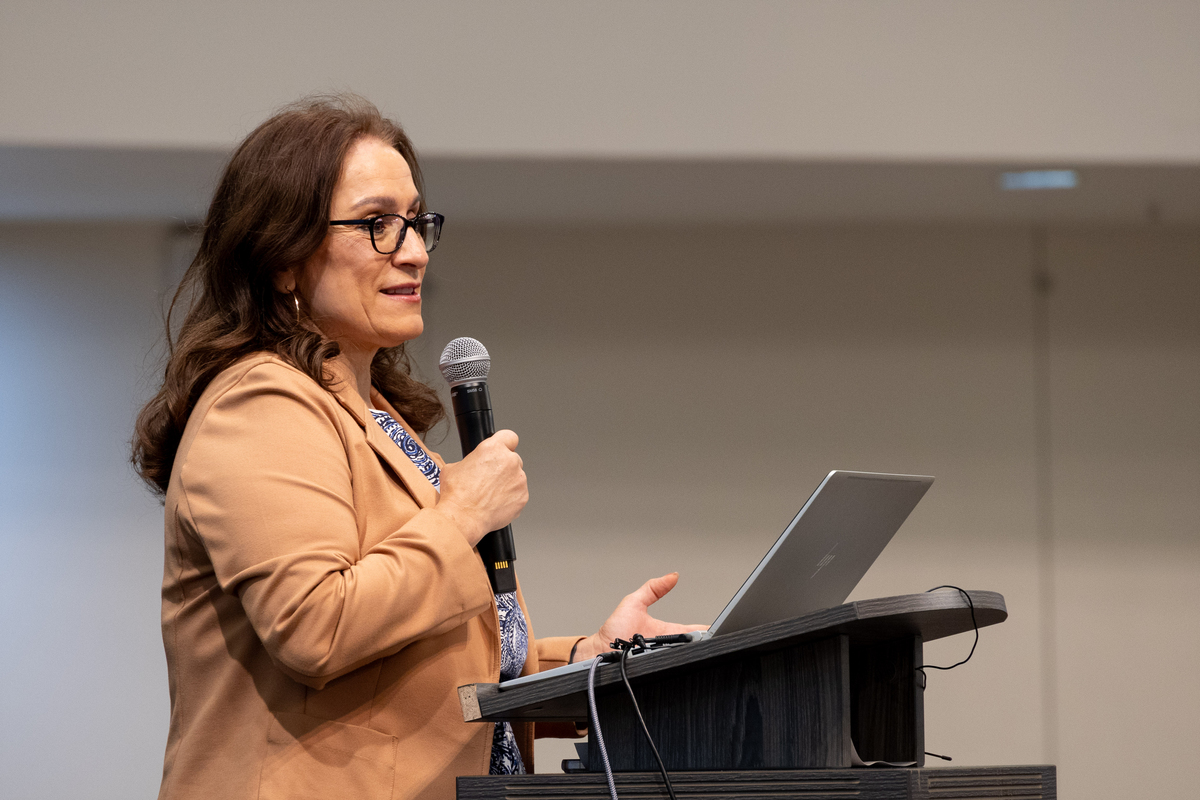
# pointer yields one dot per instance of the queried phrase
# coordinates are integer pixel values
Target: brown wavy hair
(270, 212)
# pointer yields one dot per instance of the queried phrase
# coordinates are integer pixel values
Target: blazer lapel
(412, 478)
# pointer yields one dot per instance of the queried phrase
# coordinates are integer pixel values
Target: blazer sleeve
(555, 651)
(267, 488)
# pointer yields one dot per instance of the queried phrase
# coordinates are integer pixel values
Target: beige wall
(679, 391)
(1125, 405)
(922, 79)
(83, 691)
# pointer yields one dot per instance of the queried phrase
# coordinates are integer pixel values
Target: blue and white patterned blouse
(395, 430)
(514, 635)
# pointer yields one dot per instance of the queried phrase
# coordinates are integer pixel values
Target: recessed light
(1039, 179)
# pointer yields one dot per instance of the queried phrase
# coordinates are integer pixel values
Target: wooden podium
(812, 696)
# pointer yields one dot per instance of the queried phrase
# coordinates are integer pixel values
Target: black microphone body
(473, 413)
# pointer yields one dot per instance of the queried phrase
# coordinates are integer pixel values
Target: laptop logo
(824, 562)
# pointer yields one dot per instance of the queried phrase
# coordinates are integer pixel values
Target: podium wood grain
(784, 708)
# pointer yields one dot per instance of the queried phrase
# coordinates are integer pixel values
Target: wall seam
(1043, 287)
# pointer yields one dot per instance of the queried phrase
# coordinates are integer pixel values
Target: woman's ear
(285, 281)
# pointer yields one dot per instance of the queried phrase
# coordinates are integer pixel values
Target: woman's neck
(356, 366)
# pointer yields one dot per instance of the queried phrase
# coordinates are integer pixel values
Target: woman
(322, 600)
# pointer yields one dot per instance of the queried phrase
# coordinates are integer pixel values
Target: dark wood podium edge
(932, 615)
(867, 783)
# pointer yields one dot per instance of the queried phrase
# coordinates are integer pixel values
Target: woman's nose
(412, 250)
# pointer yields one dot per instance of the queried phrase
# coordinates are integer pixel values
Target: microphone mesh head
(464, 360)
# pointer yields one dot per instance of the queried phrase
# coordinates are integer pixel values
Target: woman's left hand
(633, 616)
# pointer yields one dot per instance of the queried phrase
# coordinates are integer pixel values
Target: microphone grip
(473, 427)
(498, 552)
(473, 415)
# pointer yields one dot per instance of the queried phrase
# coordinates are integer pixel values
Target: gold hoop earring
(296, 300)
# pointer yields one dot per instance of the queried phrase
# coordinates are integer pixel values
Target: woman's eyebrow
(383, 201)
(376, 200)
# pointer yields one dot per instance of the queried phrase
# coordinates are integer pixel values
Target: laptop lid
(830, 544)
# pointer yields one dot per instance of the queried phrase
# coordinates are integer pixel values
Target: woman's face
(359, 298)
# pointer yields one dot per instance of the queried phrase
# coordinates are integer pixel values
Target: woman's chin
(405, 333)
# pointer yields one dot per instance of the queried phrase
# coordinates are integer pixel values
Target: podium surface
(806, 693)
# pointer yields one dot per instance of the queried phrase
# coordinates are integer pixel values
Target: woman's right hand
(487, 489)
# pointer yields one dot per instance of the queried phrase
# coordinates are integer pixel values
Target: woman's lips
(405, 293)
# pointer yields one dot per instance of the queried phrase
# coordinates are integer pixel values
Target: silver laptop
(818, 559)
(830, 544)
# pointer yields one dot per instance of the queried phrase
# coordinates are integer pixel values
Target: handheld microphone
(465, 364)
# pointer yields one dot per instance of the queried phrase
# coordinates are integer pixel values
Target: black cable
(625, 677)
(921, 669)
(638, 643)
(591, 693)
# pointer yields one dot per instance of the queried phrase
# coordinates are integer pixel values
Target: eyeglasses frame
(436, 219)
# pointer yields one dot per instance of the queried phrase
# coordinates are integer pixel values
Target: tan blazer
(319, 612)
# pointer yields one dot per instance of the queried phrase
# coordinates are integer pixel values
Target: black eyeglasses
(388, 230)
